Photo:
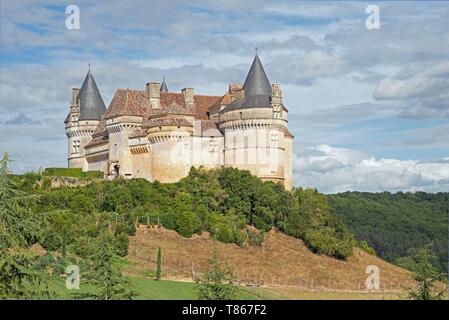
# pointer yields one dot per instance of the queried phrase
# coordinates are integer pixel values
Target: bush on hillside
(222, 201)
(71, 172)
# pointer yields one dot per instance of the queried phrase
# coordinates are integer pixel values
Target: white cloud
(422, 83)
(332, 170)
(423, 90)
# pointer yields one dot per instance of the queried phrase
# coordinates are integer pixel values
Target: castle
(159, 135)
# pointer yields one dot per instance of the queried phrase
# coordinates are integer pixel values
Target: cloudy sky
(369, 108)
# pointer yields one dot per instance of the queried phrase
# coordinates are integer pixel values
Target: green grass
(148, 289)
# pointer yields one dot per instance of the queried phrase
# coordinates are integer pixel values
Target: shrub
(365, 247)
(72, 172)
(217, 284)
(120, 243)
(255, 236)
(187, 223)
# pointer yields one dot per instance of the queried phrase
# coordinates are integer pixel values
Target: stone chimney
(276, 99)
(154, 95)
(239, 95)
(188, 96)
(233, 87)
(236, 90)
(74, 100)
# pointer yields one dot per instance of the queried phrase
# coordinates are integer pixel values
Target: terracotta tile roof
(128, 102)
(172, 108)
(159, 122)
(168, 98)
(135, 102)
(202, 104)
(226, 99)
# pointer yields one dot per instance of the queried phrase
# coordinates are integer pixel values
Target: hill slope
(281, 260)
(394, 223)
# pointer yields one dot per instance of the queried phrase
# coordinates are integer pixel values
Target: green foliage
(255, 237)
(71, 172)
(365, 247)
(120, 243)
(28, 182)
(187, 223)
(222, 201)
(394, 223)
(20, 279)
(104, 273)
(18, 224)
(217, 284)
(313, 223)
(425, 276)
(158, 264)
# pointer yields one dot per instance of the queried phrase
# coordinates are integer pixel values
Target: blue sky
(369, 108)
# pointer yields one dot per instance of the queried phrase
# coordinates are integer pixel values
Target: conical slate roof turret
(256, 82)
(257, 89)
(164, 86)
(90, 100)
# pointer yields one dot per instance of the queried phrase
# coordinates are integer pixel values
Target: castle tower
(255, 129)
(86, 108)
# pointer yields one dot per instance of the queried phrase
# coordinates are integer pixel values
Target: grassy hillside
(149, 289)
(281, 260)
(393, 224)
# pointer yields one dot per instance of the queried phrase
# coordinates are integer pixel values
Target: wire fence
(175, 268)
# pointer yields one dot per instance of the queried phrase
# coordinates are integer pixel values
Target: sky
(369, 109)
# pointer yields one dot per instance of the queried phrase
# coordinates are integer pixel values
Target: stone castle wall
(253, 139)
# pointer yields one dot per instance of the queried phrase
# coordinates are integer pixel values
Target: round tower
(171, 147)
(86, 109)
(255, 129)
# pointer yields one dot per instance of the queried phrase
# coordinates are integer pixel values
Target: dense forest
(396, 225)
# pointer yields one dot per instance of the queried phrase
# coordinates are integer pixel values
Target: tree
(425, 276)
(19, 280)
(104, 273)
(158, 264)
(19, 227)
(322, 232)
(217, 284)
(18, 224)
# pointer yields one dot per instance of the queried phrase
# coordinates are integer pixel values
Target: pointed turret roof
(164, 86)
(256, 82)
(257, 89)
(90, 100)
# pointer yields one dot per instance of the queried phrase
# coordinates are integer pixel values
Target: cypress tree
(158, 264)
(425, 276)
